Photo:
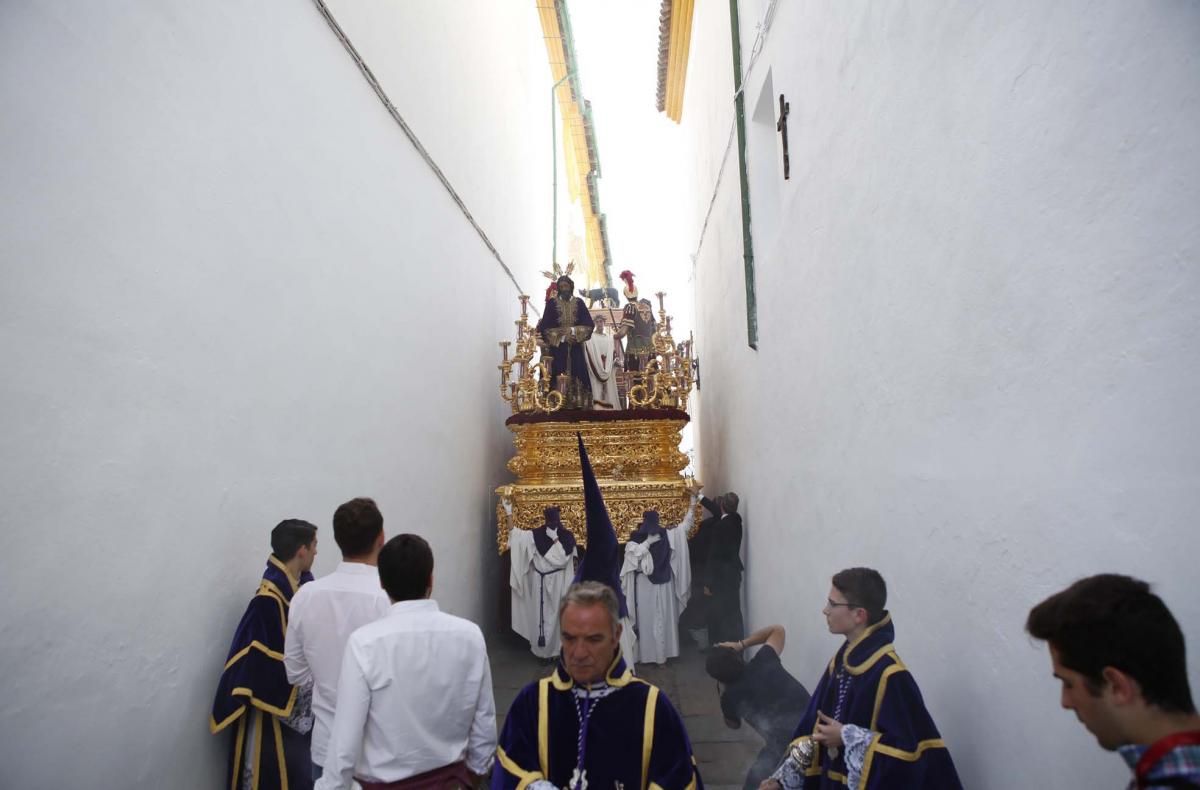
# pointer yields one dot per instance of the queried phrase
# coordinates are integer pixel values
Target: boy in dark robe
(866, 725)
(270, 719)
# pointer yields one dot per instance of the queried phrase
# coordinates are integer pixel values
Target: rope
(412, 137)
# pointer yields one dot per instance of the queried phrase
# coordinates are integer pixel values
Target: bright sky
(641, 164)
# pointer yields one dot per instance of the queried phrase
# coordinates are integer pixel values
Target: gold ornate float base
(635, 455)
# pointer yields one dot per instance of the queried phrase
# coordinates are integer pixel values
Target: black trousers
(725, 614)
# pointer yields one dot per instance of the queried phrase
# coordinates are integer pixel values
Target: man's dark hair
(863, 588)
(406, 567)
(1115, 621)
(729, 502)
(289, 536)
(725, 665)
(357, 524)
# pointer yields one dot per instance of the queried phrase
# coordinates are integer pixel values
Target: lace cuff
(790, 773)
(301, 719)
(856, 740)
(542, 784)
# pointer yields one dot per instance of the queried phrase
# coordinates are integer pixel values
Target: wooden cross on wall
(781, 127)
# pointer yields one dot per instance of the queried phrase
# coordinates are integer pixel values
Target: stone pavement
(723, 754)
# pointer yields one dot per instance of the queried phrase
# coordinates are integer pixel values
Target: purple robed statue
(565, 326)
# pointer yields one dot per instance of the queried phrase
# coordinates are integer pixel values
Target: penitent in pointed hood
(601, 563)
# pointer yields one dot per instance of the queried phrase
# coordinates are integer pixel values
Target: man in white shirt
(415, 706)
(325, 612)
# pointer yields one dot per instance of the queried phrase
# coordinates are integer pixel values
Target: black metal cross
(781, 127)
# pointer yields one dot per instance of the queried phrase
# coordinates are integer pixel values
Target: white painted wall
(979, 317)
(233, 293)
(471, 78)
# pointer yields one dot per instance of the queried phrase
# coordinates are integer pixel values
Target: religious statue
(638, 325)
(602, 366)
(565, 326)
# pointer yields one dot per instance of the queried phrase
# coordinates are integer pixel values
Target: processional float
(634, 451)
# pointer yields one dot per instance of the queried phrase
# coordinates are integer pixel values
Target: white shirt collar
(410, 607)
(359, 568)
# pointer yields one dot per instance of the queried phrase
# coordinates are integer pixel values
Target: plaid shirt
(1181, 763)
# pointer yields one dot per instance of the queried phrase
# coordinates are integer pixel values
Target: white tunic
(538, 583)
(599, 352)
(655, 608)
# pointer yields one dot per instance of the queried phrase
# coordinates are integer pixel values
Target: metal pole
(554, 162)
(744, 178)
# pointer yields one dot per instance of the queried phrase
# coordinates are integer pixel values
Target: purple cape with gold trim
(254, 691)
(541, 734)
(907, 750)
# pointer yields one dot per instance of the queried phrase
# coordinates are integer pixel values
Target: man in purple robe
(866, 726)
(270, 718)
(565, 326)
(592, 723)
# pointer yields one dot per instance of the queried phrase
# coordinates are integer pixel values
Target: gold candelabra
(528, 392)
(665, 381)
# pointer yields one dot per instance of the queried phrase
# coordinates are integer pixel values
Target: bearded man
(565, 326)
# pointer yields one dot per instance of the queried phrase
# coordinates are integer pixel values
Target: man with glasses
(866, 726)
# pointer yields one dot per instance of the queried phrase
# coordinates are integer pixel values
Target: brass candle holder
(665, 380)
(528, 392)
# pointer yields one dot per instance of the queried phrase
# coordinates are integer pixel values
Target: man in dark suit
(722, 574)
(695, 615)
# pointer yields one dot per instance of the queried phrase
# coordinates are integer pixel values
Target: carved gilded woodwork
(547, 452)
(635, 454)
(637, 463)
